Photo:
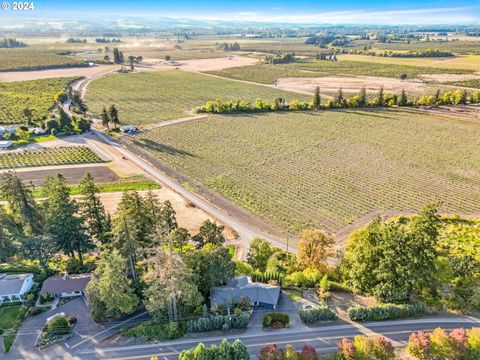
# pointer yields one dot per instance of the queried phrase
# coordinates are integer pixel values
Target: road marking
(108, 329)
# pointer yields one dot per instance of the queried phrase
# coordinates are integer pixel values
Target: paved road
(323, 338)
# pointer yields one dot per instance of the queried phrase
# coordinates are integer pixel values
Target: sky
(292, 11)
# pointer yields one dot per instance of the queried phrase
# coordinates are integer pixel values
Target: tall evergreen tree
(110, 291)
(436, 99)
(21, 204)
(339, 99)
(97, 223)
(132, 228)
(316, 98)
(113, 115)
(362, 98)
(105, 119)
(62, 220)
(381, 97)
(403, 100)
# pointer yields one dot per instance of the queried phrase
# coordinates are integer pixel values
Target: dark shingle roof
(60, 284)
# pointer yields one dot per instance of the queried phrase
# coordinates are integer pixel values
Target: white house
(14, 286)
(66, 286)
(5, 144)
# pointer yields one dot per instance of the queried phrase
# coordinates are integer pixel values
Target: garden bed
(59, 328)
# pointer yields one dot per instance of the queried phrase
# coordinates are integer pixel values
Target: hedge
(152, 331)
(385, 312)
(317, 314)
(218, 322)
(272, 317)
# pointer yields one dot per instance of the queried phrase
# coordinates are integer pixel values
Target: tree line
(11, 43)
(339, 101)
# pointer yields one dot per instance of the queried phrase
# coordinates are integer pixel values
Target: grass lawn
(8, 315)
(143, 98)
(118, 186)
(326, 169)
(294, 295)
(268, 74)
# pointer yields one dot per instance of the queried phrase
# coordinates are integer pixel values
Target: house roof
(243, 286)
(68, 283)
(11, 284)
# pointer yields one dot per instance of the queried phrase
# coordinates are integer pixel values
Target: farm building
(260, 294)
(14, 286)
(66, 286)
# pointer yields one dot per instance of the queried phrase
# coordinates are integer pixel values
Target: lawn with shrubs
(275, 320)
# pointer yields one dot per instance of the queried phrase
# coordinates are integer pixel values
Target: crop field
(268, 74)
(468, 62)
(151, 97)
(37, 95)
(460, 47)
(326, 169)
(34, 59)
(473, 83)
(65, 155)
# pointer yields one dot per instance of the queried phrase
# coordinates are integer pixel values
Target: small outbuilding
(66, 286)
(260, 294)
(14, 286)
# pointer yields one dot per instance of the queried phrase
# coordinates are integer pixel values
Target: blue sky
(295, 11)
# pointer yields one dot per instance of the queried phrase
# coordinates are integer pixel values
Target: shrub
(458, 344)
(32, 311)
(218, 322)
(274, 318)
(317, 314)
(306, 279)
(152, 331)
(225, 351)
(58, 326)
(273, 352)
(385, 312)
(72, 320)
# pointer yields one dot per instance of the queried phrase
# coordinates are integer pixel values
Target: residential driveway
(285, 305)
(24, 346)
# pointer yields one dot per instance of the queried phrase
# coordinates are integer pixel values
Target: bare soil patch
(217, 63)
(187, 216)
(11, 76)
(349, 84)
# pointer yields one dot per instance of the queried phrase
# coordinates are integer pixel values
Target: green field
(156, 96)
(460, 47)
(64, 155)
(268, 74)
(474, 83)
(327, 169)
(37, 95)
(34, 59)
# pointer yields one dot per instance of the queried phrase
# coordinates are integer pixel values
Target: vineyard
(37, 95)
(67, 155)
(34, 59)
(327, 169)
(150, 97)
(268, 74)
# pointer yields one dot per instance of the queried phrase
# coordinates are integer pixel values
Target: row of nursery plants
(386, 312)
(321, 313)
(48, 156)
(218, 322)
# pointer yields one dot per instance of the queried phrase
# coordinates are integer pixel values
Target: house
(5, 144)
(66, 286)
(14, 286)
(260, 294)
(129, 129)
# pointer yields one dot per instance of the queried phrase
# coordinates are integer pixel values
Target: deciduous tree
(313, 249)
